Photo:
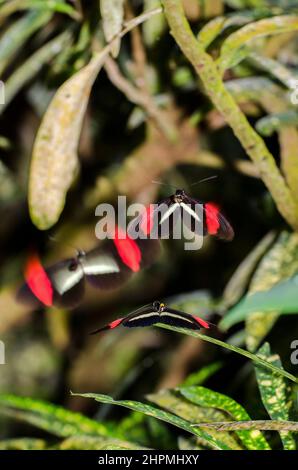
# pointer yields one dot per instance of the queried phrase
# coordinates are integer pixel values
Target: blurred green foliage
(100, 101)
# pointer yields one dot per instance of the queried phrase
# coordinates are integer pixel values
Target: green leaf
(51, 418)
(282, 298)
(30, 68)
(281, 262)
(23, 443)
(254, 88)
(275, 394)
(203, 374)
(50, 5)
(155, 27)
(173, 402)
(146, 431)
(54, 160)
(192, 301)
(112, 12)
(239, 280)
(253, 440)
(231, 50)
(275, 122)
(96, 443)
(231, 347)
(156, 413)
(261, 425)
(276, 69)
(16, 35)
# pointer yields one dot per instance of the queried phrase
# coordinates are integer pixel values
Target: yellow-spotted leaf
(280, 263)
(173, 402)
(252, 440)
(160, 414)
(275, 394)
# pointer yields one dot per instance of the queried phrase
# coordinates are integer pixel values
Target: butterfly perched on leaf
(199, 217)
(154, 313)
(104, 267)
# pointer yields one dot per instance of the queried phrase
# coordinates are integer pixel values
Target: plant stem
(258, 360)
(224, 102)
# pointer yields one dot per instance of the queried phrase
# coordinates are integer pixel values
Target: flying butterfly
(106, 267)
(214, 222)
(157, 312)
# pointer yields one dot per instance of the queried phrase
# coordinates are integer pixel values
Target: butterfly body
(199, 217)
(157, 312)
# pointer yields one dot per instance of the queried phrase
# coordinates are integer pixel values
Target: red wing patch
(110, 326)
(127, 249)
(212, 219)
(115, 323)
(202, 322)
(38, 280)
(146, 223)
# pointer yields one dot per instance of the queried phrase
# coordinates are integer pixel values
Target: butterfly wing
(153, 220)
(61, 284)
(138, 317)
(214, 222)
(104, 269)
(67, 279)
(173, 317)
(145, 316)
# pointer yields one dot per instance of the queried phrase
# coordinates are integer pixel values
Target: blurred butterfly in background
(105, 267)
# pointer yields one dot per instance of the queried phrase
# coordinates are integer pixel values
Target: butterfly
(206, 216)
(157, 312)
(104, 267)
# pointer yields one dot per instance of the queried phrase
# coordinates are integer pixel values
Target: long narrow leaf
(156, 413)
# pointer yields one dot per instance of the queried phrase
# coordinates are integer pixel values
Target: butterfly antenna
(204, 179)
(164, 184)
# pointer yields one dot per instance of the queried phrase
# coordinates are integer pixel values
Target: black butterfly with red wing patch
(157, 312)
(106, 267)
(214, 222)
